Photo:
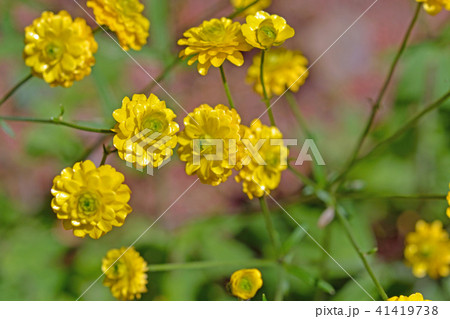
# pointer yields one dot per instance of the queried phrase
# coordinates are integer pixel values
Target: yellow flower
(414, 297)
(427, 250)
(241, 4)
(433, 7)
(263, 30)
(145, 130)
(245, 283)
(209, 143)
(262, 167)
(125, 273)
(124, 17)
(58, 49)
(283, 69)
(212, 43)
(448, 200)
(90, 200)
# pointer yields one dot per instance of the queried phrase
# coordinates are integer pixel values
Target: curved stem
(106, 153)
(149, 87)
(269, 225)
(227, 88)
(56, 122)
(408, 124)
(239, 11)
(376, 105)
(15, 88)
(305, 179)
(292, 102)
(348, 230)
(211, 264)
(263, 85)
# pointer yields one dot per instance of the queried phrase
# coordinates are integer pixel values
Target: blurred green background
(41, 261)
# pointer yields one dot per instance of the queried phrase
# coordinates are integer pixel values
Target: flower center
(53, 50)
(272, 159)
(207, 145)
(214, 31)
(87, 203)
(266, 33)
(426, 250)
(245, 284)
(154, 123)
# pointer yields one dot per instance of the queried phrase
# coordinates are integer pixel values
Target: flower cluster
(58, 49)
(245, 283)
(145, 130)
(283, 69)
(433, 7)
(209, 143)
(212, 43)
(263, 30)
(124, 17)
(262, 167)
(90, 200)
(414, 297)
(427, 250)
(125, 273)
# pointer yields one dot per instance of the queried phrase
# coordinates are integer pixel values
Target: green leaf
(294, 238)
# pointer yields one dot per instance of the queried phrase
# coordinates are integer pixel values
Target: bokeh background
(39, 260)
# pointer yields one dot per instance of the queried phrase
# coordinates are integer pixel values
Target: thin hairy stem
(212, 264)
(408, 125)
(292, 102)
(15, 88)
(349, 231)
(56, 121)
(305, 179)
(227, 88)
(106, 152)
(376, 105)
(263, 85)
(269, 225)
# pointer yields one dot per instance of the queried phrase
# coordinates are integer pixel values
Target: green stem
(349, 231)
(408, 124)
(106, 153)
(227, 88)
(394, 196)
(292, 102)
(305, 179)
(211, 264)
(15, 88)
(162, 76)
(56, 122)
(263, 85)
(269, 225)
(239, 11)
(376, 105)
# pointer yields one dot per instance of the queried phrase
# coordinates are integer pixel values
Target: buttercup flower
(245, 283)
(261, 167)
(58, 49)
(433, 7)
(283, 69)
(414, 297)
(241, 4)
(212, 43)
(448, 200)
(145, 130)
(90, 200)
(209, 143)
(124, 17)
(427, 250)
(125, 274)
(263, 30)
